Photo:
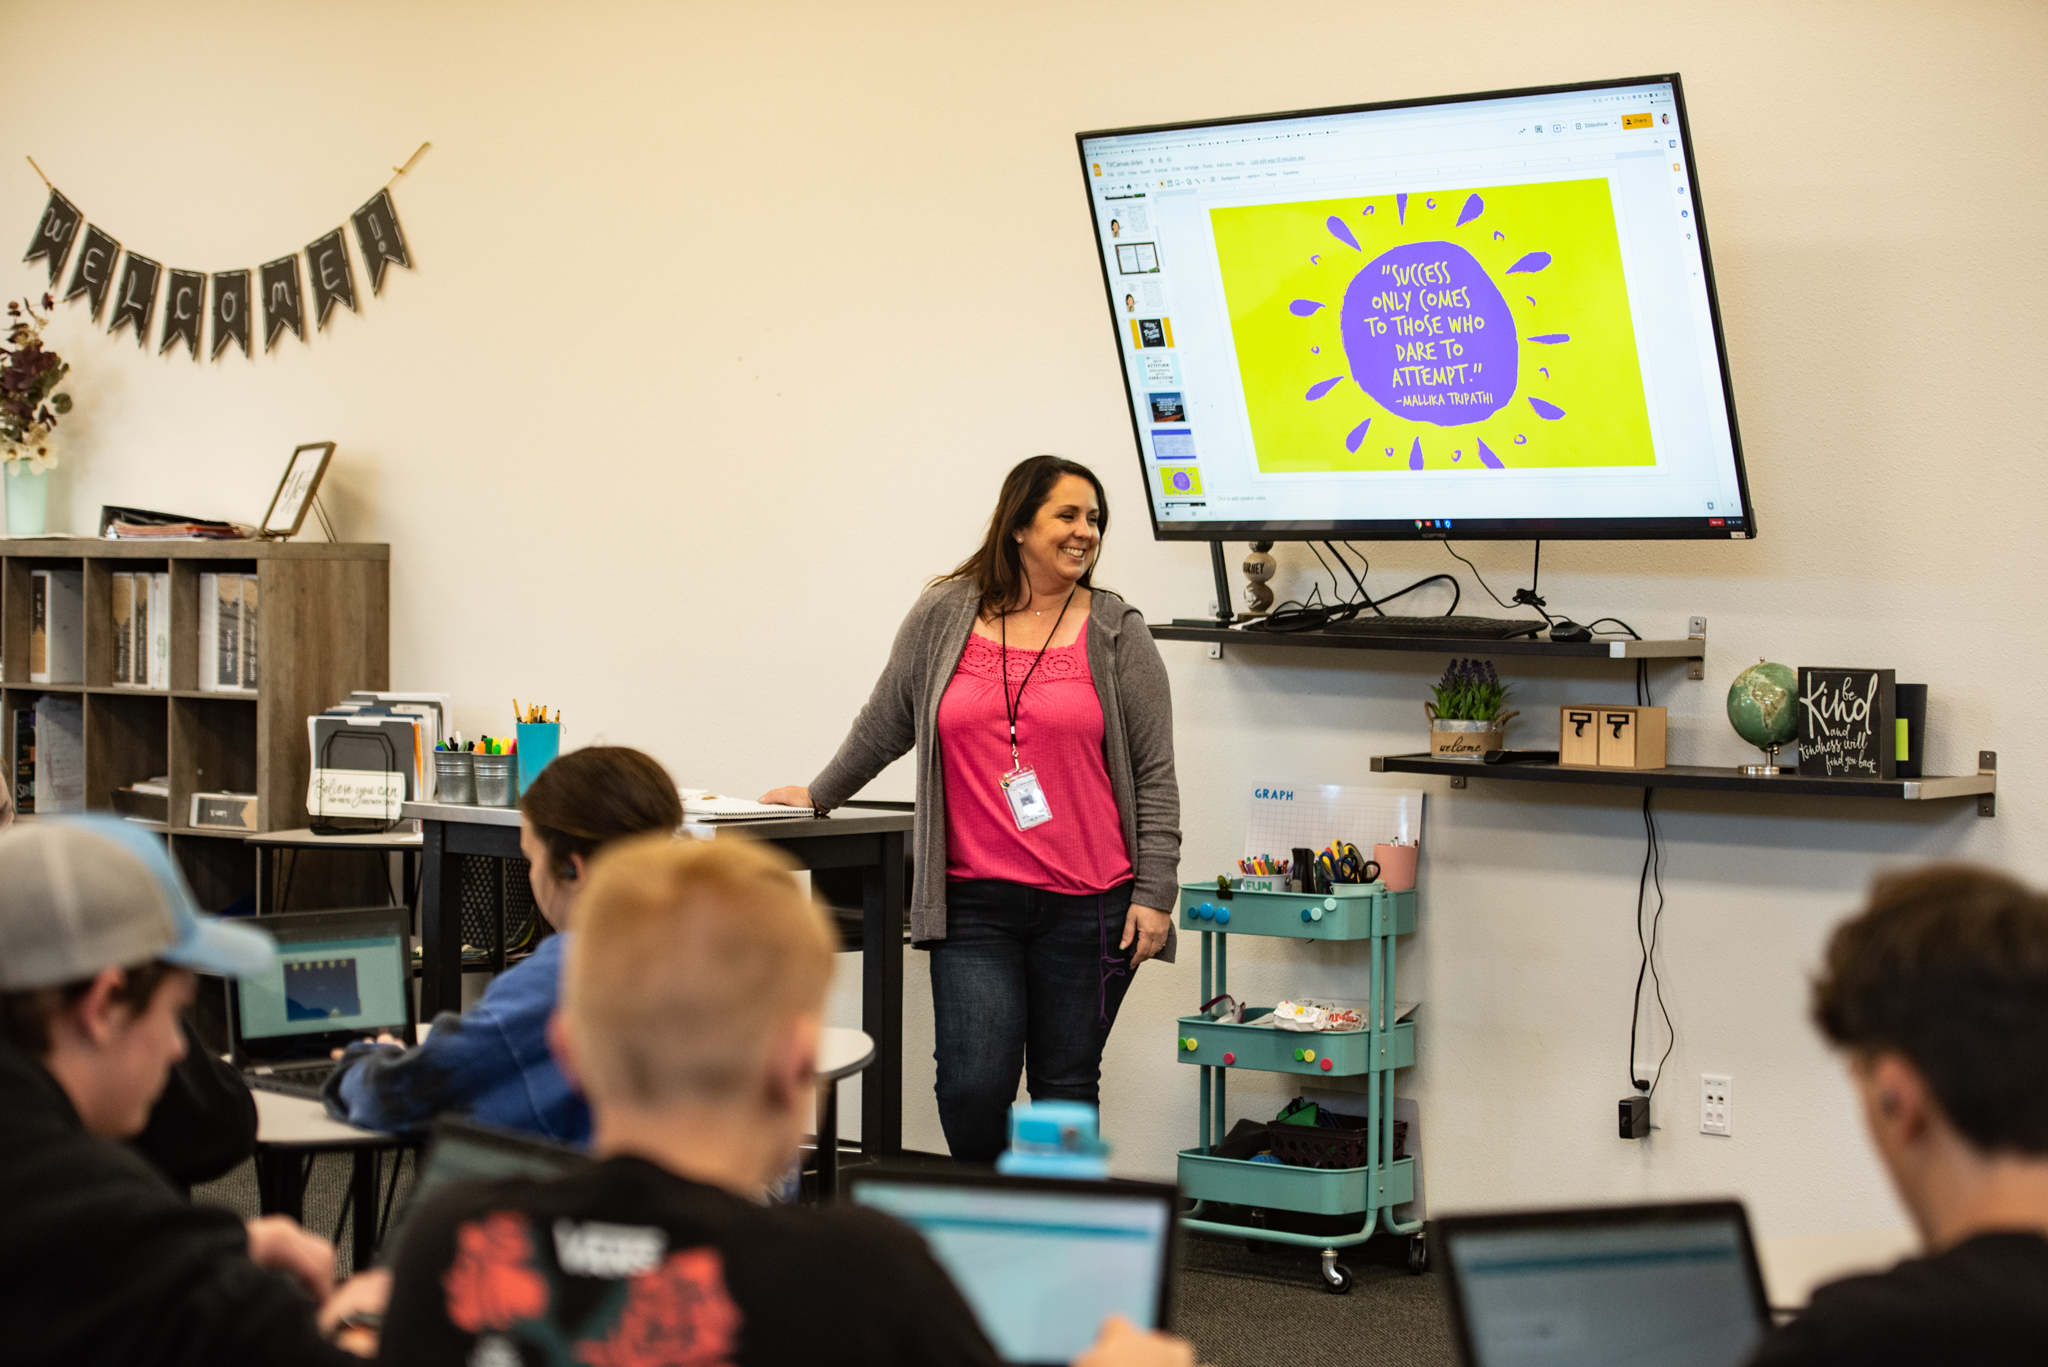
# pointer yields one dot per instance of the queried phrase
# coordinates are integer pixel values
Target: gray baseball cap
(83, 893)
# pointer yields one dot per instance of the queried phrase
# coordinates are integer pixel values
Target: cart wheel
(1336, 1276)
(1418, 1254)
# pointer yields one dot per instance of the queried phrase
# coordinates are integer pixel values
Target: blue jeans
(1026, 980)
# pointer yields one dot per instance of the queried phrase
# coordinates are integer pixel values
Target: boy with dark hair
(491, 1062)
(1938, 994)
(101, 1261)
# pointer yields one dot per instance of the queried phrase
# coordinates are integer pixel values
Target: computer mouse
(1564, 629)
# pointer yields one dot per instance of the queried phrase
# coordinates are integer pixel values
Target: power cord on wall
(1652, 877)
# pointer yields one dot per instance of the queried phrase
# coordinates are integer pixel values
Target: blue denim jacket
(491, 1063)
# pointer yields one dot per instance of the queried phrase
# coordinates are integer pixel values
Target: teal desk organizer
(539, 743)
(1221, 1047)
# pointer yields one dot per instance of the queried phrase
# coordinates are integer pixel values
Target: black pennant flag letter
(281, 306)
(136, 297)
(377, 231)
(94, 270)
(184, 307)
(230, 310)
(55, 234)
(334, 280)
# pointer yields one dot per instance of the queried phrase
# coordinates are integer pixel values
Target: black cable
(1363, 598)
(1618, 622)
(1457, 593)
(1489, 588)
(1652, 876)
(1335, 587)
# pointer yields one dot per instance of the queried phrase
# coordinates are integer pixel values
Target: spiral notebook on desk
(701, 804)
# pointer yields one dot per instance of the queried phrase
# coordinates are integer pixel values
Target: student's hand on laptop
(387, 1038)
(1123, 1344)
(361, 1298)
(277, 1242)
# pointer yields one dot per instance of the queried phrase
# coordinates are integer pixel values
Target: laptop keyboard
(299, 1079)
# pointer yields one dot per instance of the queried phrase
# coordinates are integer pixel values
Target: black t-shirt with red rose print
(628, 1265)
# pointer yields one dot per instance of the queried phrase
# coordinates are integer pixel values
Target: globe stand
(1768, 769)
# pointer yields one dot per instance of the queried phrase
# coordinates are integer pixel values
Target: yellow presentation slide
(1452, 330)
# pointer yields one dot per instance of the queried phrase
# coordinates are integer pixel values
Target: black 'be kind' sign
(1845, 723)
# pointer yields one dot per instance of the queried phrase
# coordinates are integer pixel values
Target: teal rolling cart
(1218, 1047)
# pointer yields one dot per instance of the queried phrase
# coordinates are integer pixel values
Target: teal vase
(28, 499)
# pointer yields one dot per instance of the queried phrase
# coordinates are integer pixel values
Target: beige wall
(689, 508)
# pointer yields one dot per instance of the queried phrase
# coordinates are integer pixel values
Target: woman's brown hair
(995, 569)
(593, 796)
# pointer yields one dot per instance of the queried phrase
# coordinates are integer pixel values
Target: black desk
(856, 859)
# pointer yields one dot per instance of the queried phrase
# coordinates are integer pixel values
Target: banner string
(398, 170)
(39, 171)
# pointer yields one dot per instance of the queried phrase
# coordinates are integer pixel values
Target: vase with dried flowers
(30, 404)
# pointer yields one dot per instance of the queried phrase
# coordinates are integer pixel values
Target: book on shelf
(121, 602)
(21, 745)
(139, 606)
(59, 754)
(142, 524)
(227, 633)
(56, 626)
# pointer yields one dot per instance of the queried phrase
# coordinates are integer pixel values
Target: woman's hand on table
(792, 796)
(1148, 926)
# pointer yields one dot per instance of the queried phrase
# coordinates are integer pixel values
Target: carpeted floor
(1241, 1309)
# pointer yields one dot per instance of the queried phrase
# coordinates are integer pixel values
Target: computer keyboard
(1444, 628)
(294, 1080)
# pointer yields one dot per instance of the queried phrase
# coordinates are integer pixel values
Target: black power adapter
(1635, 1117)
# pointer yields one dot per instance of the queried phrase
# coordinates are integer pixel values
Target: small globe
(1760, 704)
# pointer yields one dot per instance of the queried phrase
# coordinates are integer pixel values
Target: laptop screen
(1651, 1286)
(331, 971)
(1041, 1263)
(464, 1151)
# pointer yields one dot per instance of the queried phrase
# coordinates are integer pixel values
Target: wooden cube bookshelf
(324, 630)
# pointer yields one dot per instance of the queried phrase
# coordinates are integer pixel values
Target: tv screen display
(1481, 316)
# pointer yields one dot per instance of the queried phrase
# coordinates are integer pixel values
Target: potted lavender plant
(29, 408)
(1466, 720)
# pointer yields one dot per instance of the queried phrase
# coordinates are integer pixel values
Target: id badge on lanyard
(1027, 799)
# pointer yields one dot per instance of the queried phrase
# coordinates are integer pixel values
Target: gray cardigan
(1137, 742)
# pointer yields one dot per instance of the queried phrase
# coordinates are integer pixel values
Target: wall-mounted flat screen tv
(1479, 316)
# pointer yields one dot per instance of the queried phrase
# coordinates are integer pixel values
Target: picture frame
(296, 491)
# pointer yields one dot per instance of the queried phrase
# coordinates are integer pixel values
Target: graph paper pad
(1281, 818)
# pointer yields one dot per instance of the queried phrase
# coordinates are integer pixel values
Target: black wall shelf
(1684, 648)
(1982, 785)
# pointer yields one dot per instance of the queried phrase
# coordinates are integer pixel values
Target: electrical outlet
(1717, 1104)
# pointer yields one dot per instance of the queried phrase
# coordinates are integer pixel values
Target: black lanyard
(1010, 708)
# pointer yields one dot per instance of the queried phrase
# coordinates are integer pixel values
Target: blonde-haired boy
(690, 1014)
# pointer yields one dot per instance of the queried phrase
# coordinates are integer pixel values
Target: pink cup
(1397, 865)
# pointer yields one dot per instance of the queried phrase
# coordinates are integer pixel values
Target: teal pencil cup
(539, 743)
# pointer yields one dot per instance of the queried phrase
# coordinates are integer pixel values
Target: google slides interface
(1492, 309)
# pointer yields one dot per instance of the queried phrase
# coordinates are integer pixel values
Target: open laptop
(463, 1151)
(335, 977)
(1041, 1261)
(1650, 1286)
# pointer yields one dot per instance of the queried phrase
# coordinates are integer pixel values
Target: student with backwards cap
(101, 1260)
(491, 1062)
(690, 1014)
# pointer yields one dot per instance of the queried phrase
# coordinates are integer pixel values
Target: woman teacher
(1048, 818)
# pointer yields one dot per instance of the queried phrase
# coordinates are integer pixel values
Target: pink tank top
(1059, 734)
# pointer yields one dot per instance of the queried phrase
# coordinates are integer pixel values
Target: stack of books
(228, 633)
(141, 605)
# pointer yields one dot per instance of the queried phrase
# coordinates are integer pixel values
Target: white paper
(372, 793)
(1283, 817)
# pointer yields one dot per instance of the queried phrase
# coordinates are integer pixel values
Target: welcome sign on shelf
(1846, 727)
